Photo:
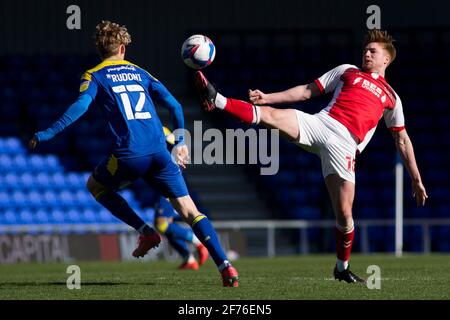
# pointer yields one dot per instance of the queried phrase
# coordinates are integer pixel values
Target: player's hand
(181, 154)
(257, 97)
(33, 143)
(419, 193)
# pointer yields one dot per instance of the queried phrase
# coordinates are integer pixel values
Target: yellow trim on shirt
(106, 63)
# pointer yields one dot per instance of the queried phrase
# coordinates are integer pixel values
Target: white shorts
(331, 141)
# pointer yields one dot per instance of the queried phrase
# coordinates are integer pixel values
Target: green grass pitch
(282, 278)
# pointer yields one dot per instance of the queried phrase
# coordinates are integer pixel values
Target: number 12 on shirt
(125, 91)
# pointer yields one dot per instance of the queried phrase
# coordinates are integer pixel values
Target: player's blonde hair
(381, 36)
(109, 36)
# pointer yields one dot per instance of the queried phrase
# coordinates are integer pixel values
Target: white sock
(224, 265)
(220, 101)
(190, 259)
(195, 240)
(341, 265)
(256, 114)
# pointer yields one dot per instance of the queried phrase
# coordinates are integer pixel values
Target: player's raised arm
(406, 150)
(295, 94)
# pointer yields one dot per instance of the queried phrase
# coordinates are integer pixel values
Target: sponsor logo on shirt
(132, 68)
(84, 86)
(366, 84)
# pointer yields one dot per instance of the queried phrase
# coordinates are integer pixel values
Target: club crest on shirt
(84, 86)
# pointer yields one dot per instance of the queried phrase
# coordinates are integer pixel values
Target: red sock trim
(344, 243)
(240, 109)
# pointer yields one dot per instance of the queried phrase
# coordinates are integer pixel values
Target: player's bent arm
(295, 94)
(406, 150)
(75, 111)
(168, 101)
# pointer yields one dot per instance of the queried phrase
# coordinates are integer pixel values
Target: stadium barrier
(114, 242)
(303, 225)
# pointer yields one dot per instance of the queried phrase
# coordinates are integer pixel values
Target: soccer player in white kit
(339, 132)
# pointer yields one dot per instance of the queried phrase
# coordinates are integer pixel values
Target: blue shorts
(163, 209)
(158, 170)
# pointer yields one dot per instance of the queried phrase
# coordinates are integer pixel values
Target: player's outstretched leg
(284, 120)
(119, 207)
(211, 99)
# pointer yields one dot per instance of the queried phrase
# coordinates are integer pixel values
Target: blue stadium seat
(42, 216)
(19, 199)
(67, 199)
(3, 186)
(50, 199)
(12, 145)
(59, 180)
(85, 199)
(75, 181)
(26, 217)
(73, 216)
(6, 164)
(58, 216)
(26, 181)
(52, 163)
(12, 181)
(37, 163)
(43, 181)
(10, 217)
(35, 199)
(90, 216)
(20, 163)
(106, 216)
(5, 201)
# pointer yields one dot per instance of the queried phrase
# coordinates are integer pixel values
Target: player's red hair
(109, 36)
(381, 36)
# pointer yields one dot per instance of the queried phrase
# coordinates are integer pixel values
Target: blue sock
(180, 246)
(119, 207)
(177, 231)
(205, 232)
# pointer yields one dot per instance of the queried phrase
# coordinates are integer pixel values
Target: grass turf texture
(283, 278)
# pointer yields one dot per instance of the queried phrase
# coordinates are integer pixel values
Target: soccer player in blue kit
(125, 93)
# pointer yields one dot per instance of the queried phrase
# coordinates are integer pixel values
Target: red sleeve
(397, 129)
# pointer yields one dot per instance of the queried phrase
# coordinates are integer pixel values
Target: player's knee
(186, 208)
(269, 115)
(96, 189)
(345, 217)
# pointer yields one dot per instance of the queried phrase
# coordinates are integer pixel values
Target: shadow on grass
(63, 283)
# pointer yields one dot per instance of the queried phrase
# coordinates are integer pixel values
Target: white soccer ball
(198, 51)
